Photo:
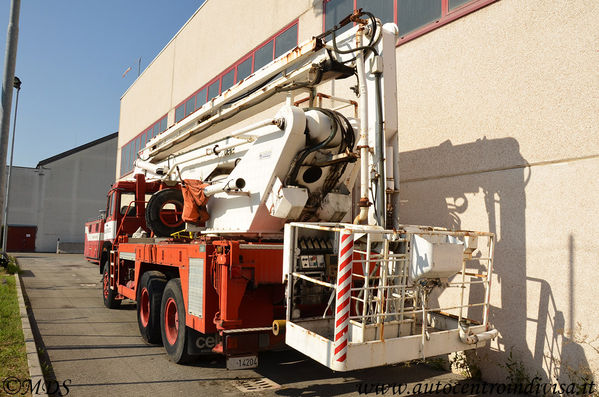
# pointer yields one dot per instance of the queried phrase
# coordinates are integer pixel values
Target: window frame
(234, 65)
(127, 167)
(128, 151)
(447, 16)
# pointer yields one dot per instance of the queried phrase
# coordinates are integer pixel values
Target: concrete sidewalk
(98, 351)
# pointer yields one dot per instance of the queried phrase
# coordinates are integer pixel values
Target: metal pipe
(10, 59)
(225, 186)
(147, 166)
(17, 85)
(215, 151)
(468, 337)
(313, 280)
(363, 141)
(379, 139)
(263, 123)
(489, 278)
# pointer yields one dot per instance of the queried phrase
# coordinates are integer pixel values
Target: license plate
(242, 362)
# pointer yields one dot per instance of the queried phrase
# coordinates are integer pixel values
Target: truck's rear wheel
(149, 298)
(109, 295)
(164, 212)
(172, 323)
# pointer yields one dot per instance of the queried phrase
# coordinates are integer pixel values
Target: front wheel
(109, 295)
(172, 323)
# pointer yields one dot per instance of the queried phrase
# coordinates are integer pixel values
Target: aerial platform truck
(285, 231)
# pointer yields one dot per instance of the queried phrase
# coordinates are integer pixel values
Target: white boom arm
(301, 163)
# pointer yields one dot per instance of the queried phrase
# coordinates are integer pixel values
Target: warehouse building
(49, 204)
(498, 115)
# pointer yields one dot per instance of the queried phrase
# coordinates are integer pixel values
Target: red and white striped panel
(344, 276)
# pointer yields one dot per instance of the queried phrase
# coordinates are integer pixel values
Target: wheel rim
(171, 321)
(144, 308)
(106, 287)
(169, 217)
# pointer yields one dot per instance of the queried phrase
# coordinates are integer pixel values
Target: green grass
(13, 357)
(13, 266)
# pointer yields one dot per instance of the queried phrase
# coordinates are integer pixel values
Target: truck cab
(124, 215)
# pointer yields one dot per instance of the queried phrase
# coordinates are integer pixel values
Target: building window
(190, 106)
(456, 3)
(213, 89)
(263, 55)
(275, 46)
(286, 41)
(382, 9)
(413, 14)
(200, 98)
(227, 80)
(179, 113)
(413, 17)
(130, 149)
(244, 69)
(335, 11)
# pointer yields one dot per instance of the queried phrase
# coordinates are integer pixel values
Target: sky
(71, 57)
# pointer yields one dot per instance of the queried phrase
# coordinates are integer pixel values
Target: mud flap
(201, 344)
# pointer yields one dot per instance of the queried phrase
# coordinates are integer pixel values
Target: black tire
(109, 295)
(149, 297)
(174, 338)
(158, 224)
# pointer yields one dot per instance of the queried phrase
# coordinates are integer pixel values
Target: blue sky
(71, 57)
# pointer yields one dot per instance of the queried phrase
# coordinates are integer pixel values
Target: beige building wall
(216, 36)
(498, 115)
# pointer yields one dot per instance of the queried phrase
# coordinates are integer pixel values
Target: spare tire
(164, 212)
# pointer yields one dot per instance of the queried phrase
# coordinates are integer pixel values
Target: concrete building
(498, 115)
(54, 200)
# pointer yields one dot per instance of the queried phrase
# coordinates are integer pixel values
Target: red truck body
(123, 215)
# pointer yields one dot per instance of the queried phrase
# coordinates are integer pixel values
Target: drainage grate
(257, 384)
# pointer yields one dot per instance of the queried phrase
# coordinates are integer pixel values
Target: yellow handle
(278, 326)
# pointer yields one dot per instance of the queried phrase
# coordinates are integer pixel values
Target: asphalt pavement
(97, 351)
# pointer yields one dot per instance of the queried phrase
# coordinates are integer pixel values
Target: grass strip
(13, 356)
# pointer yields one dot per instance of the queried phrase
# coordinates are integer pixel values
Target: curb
(35, 369)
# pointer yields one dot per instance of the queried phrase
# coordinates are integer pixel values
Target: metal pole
(17, 85)
(10, 59)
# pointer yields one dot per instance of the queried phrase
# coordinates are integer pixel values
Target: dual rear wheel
(160, 312)
(161, 315)
(149, 295)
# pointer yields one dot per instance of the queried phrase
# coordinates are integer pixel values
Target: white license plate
(243, 362)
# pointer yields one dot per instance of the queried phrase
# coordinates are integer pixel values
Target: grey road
(99, 351)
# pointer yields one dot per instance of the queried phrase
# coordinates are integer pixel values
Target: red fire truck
(233, 238)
